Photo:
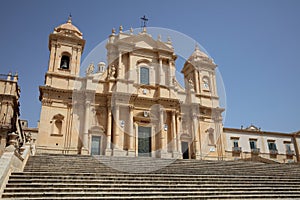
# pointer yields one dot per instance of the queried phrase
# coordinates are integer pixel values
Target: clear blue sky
(255, 44)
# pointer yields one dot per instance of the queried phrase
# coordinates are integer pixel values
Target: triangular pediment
(145, 41)
(143, 45)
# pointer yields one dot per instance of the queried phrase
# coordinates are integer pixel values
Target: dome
(68, 29)
(198, 55)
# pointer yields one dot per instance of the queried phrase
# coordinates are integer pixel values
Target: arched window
(57, 123)
(58, 126)
(144, 75)
(64, 62)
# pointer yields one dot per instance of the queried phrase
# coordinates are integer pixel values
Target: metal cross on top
(144, 21)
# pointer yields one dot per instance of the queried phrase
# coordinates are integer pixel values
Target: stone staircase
(87, 177)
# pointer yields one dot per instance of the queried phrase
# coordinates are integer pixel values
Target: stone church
(131, 106)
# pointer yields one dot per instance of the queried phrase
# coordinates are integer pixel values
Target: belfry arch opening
(65, 62)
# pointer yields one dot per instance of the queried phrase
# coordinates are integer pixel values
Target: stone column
(118, 147)
(120, 69)
(78, 59)
(108, 133)
(129, 66)
(135, 139)
(195, 136)
(178, 134)
(116, 126)
(163, 138)
(196, 82)
(85, 142)
(52, 57)
(170, 71)
(131, 137)
(160, 71)
(174, 136)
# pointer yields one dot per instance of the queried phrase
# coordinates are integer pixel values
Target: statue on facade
(174, 81)
(90, 69)
(112, 71)
(191, 83)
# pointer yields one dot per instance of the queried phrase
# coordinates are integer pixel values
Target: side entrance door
(144, 141)
(185, 150)
(96, 145)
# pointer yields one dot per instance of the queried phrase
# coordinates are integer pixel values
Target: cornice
(236, 130)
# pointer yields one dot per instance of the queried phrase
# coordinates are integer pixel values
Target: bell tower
(200, 77)
(65, 45)
(55, 130)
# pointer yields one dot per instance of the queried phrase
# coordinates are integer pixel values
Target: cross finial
(70, 18)
(144, 21)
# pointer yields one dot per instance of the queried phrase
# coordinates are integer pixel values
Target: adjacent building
(253, 143)
(9, 111)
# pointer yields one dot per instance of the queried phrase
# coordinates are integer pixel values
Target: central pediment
(145, 41)
(143, 45)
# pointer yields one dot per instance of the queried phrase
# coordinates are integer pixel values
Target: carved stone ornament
(112, 71)
(90, 69)
(191, 83)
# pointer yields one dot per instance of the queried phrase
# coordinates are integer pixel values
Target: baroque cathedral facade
(131, 106)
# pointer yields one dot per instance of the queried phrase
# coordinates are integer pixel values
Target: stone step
(109, 182)
(100, 177)
(152, 179)
(149, 185)
(147, 193)
(142, 176)
(185, 196)
(146, 189)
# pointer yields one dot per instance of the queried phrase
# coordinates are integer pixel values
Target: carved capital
(194, 116)
(46, 102)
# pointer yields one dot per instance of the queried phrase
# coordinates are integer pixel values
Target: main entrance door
(96, 142)
(185, 150)
(144, 141)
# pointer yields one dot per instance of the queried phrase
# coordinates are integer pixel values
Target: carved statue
(112, 71)
(90, 69)
(174, 81)
(191, 83)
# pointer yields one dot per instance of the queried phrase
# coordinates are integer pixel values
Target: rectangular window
(144, 75)
(272, 145)
(253, 144)
(288, 147)
(235, 143)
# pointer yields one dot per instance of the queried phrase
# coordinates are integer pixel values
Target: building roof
(197, 54)
(68, 29)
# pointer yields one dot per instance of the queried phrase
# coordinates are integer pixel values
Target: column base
(119, 152)
(84, 151)
(177, 155)
(108, 152)
(165, 154)
(131, 153)
(198, 156)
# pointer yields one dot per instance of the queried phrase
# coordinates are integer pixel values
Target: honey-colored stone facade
(132, 105)
(136, 93)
